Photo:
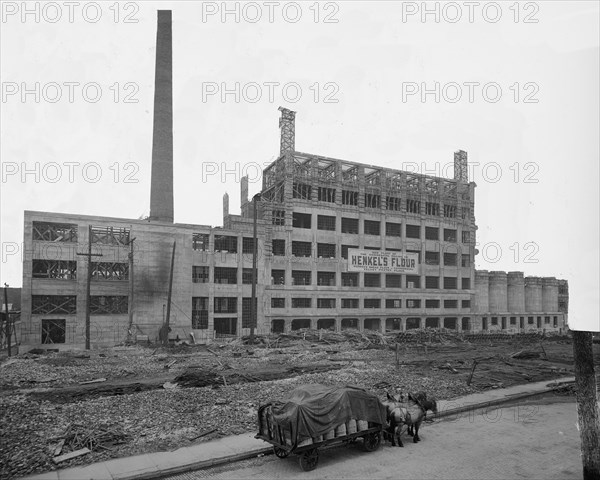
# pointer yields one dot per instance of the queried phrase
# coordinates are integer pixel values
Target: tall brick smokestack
(161, 190)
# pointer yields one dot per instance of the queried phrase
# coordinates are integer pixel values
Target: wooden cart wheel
(280, 452)
(309, 459)
(372, 441)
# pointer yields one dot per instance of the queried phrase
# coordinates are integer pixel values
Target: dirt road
(531, 440)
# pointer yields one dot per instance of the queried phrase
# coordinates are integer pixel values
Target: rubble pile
(78, 436)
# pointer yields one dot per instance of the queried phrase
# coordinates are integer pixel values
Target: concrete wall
(152, 259)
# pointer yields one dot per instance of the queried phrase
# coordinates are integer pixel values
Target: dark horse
(427, 404)
(411, 414)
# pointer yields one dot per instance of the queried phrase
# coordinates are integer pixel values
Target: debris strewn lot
(72, 408)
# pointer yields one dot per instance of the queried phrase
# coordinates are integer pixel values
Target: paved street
(535, 439)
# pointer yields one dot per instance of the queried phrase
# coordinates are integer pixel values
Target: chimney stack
(287, 123)
(161, 190)
(244, 190)
(225, 205)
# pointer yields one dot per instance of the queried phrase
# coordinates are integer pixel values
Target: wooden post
(167, 319)
(8, 332)
(253, 307)
(587, 404)
(472, 372)
(88, 298)
(543, 350)
(130, 304)
(88, 294)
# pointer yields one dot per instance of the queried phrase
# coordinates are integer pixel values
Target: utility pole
(587, 404)
(253, 308)
(130, 304)
(8, 329)
(88, 298)
(166, 326)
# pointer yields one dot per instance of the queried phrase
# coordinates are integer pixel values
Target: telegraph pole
(88, 298)
(166, 327)
(8, 329)
(130, 305)
(253, 309)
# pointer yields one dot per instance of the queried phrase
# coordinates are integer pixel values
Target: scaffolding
(287, 126)
(461, 170)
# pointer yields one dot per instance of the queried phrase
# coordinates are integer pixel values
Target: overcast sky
(382, 83)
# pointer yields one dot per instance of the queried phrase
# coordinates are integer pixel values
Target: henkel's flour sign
(376, 261)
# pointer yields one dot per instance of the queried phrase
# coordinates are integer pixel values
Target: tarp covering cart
(314, 416)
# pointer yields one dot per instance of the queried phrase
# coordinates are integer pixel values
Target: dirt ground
(138, 406)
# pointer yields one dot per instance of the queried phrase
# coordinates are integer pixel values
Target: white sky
(372, 54)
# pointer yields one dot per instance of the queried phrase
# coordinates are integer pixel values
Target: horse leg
(400, 444)
(391, 432)
(410, 431)
(416, 437)
(396, 431)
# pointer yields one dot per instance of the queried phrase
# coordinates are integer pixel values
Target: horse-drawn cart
(314, 416)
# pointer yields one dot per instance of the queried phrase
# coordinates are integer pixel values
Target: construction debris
(71, 455)
(209, 390)
(97, 380)
(79, 436)
(203, 434)
(170, 364)
(525, 354)
(58, 449)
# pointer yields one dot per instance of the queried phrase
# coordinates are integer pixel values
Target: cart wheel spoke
(280, 452)
(372, 441)
(309, 459)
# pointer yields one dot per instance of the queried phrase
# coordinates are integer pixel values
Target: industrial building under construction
(338, 245)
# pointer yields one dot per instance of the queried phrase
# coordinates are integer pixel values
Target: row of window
(303, 191)
(352, 279)
(330, 250)
(390, 303)
(67, 304)
(68, 232)
(222, 305)
(373, 227)
(229, 243)
(223, 275)
(67, 270)
(531, 320)
(223, 243)
(278, 325)
(229, 275)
